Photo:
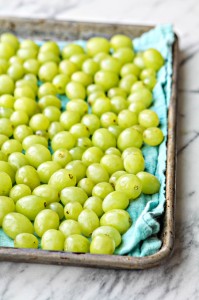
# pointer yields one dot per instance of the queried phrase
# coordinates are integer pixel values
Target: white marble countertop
(178, 278)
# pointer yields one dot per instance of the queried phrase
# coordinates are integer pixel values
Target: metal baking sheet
(71, 30)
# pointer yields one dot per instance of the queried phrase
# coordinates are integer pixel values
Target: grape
(148, 118)
(106, 79)
(52, 113)
(139, 128)
(60, 81)
(27, 105)
(19, 191)
(48, 71)
(26, 86)
(134, 163)
(141, 95)
(108, 231)
(54, 128)
(37, 154)
(86, 185)
(73, 194)
(11, 39)
(116, 91)
(100, 56)
(61, 157)
(138, 85)
(107, 119)
(150, 82)
(103, 139)
(30, 206)
(31, 66)
(150, 183)
(84, 142)
(118, 104)
(52, 239)
(70, 227)
(47, 192)
(127, 119)
(81, 77)
(95, 204)
(102, 189)
(27, 53)
(115, 200)
(6, 167)
(124, 54)
(126, 82)
(3, 156)
(15, 223)
(58, 208)
(75, 90)
(49, 100)
(92, 155)
(7, 101)
(113, 150)
(90, 67)
(76, 153)
(114, 177)
(92, 122)
(6, 206)
(31, 140)
(117, 218)
(17, 160)
(129, 184)
(88, 221)
(153, 59)
(76, 243)
(128, 69)
(69, 118)
(19, 118)
(26, 240)
(130, 150)
(93, 88)
(101, 106)
(72, 210)
(96, 45)
(16, 71)
(6, 50)
(112, 163)
(67, 67)
(6, 127)
(22, 131)
(70, 50)
(26, 44)
(11, 146)
(47, 56)
(79, 130)
(153, 136)
(5, 112)
(136, 107)
(115, 130)
(4, 64)
(77, 168)
(15, 60)
(39, 122)
(27, 175)
(130, 137)
(61, 179)
(46, 89)
(79, 59)
(119, 41)
(94, 96)
(45, 220)
(111, 64)
(63, 139)
(97, 173)
(77, 105)
(50, 46)
(102, 244)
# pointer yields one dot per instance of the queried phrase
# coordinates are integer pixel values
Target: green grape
(142, 95)
(113, 150)
(147, 73)
(90, 67)
(16, 223)
(77, 168)
(119, 41)
(79, 130)
(17, 160)
(78, 105)
(50, 46)
(150, 183)
(107, 119)
(127, 119)
(114, 177)
(5, 112)
(48, 71)
(76, 243)
(19, 118)
(88, 221)
(26, 44)
(108, 231)
(129, 184)
(81, 77)
(117, 91)
(70, 227)
(6, 127)
(54, 128)
(27, 175)
(100, 56)
(31, 79)
(130, 137)
(79, 59)
(95, 204)
(118, 104)
(61, 157)
(117, 218)
(111, 64)
(63, 139)
(153, 136)
(6, 167)
(84, 142)
(6, 50)
(47, 192)
(86, 185)
(148, 118)
(136, 107)
(97, 173)
(6, 206)
(27, 53)
(61, 179)
(115, 200)
(15, 60)
(52, 239)
(45, 220)
(6, 85)
(3, 156)
(7, 101)
(92, 122)
(11, 39)
(115, 130)
(37, 154)
(4, 64)
(27, 105)
(126, 82)
(138, 128)
(75, 90)
(134, 163)
(70, 50)
(150, 82)
(60, 81)
(96, 45)
(137, 86)
(103, 139)
(124, 54)
(31, 140)
(42, 133)
(67, 67)
(49, 100)
(39, 122)
(69, 118)
(26, 86)
(31, 66)
(112, 163)
(106, 79)
(6, 184)
(130, 150)
(72, 210)
(58, 208)
(16, 71)
(30, 206)
(94, 96)
(102, 189)
(92, 88)
(76, 153)
(47, 89)
(102, 244)
(139, 61)
(11, 146)
(52, 113)
(26, 241)
(92, 155)
(47, 56)
(73, 194)
(19, 191)
(128, 69)
(153, 59)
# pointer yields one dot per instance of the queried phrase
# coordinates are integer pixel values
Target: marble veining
(178, 278)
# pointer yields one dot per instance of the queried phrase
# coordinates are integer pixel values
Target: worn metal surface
(70, 30)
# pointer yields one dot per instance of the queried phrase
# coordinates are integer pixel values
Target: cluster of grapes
(67, 175)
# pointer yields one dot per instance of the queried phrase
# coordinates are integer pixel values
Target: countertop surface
(178, 278)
